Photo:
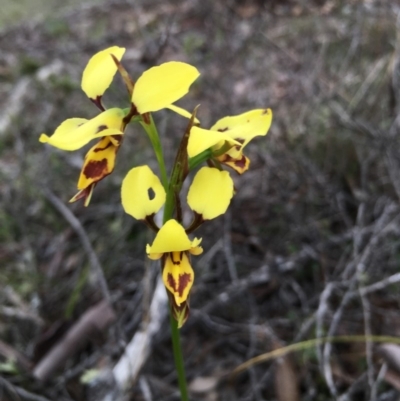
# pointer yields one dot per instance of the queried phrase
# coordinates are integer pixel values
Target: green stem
(201, 158)
(179, 365)
(208, 154)
(152, 133)
(175, 335)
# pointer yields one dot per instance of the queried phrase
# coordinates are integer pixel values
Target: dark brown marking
(241, 163)
(117, 138)
(103, 148)
(98, 103)
(132, 112)
(84, 193)
(225, 158)
(96, 169)
(184, 280)
(81, 194)
(223, 129)
(176, 262)
(151, 194)
(101, 128)
(171, 281)
(146, 118)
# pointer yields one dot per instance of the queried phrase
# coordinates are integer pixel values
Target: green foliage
(193, 42)
(56, 27)
(64, 84)
(9, 367)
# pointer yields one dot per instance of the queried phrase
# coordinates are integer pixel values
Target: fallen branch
(95, 320)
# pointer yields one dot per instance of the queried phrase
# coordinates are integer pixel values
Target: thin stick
(308, 344)
(18, 393)
(81, 233)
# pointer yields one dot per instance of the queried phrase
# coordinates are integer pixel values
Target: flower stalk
(152, 133)
(178, 357)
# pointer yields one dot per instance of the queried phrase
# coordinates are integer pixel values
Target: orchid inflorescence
(143, 193)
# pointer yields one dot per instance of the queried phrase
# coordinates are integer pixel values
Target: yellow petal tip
(44, 138)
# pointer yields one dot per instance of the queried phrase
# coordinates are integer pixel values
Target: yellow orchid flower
(174, 245)
(75, 133)
(237, 131)
(99, 163)
(156, 89)
(210, 193)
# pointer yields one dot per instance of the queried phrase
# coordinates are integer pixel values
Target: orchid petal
(178, 276)
(210, 193)
(201, 139)
(100, 71)
(161, 86)
(244, 127)
(172, 238)
(240, 163)
(99, 162)
(74, 133)
(182, 112)
(142, 193)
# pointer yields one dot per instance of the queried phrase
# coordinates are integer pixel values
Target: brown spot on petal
(104, 148)
(184, 280)
(96, 168)
(151, 194)
(241, 163)
(266, 111)
(223, 129)
(171, 281)
(176, 262)
(225, 158)
(101, 128)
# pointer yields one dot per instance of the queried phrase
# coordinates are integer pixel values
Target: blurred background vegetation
(27, 10)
